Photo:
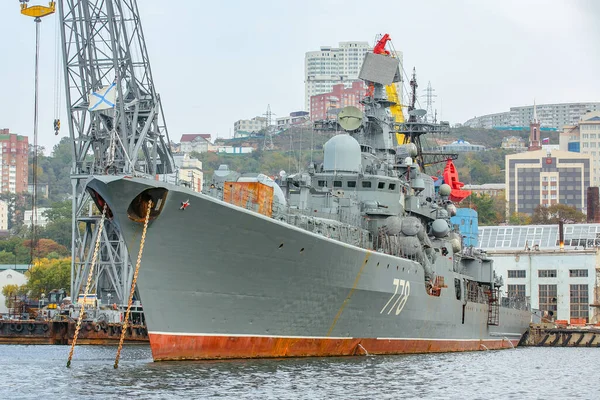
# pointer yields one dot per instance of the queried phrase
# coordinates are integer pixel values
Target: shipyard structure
(562, 282)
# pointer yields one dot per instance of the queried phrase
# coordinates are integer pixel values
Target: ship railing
(477, 293)
(342, 216)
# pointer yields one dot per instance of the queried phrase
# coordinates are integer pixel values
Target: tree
(9, 291)
(44, 247)
(551, 215)
(490, 209)
(519, 218)
(59, 231)
(59, 210)
(47, 275)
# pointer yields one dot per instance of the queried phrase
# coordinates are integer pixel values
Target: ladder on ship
(493, 308)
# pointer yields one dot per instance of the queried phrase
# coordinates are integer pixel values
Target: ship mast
(116, 126)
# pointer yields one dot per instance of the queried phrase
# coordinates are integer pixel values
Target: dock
(553, 335)
(61, 332)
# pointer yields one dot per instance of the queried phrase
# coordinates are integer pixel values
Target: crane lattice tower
(116, 126)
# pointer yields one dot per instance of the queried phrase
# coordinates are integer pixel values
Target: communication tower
(431, 114)
(268, 142)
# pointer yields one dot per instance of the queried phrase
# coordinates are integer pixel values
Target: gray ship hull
(219, 281)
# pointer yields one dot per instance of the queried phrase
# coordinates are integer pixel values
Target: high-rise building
(3, 215)
(547, 177)
(13, 162)
(334, 65)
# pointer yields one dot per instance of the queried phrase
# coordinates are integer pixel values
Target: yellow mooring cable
(133, 283)
(87, 286)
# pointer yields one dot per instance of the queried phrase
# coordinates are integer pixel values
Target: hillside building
(490, 189)
(553, 116)
(198, 142)
(461, 146)
(295, 118)
(514, 143)
(247, 127)
(40, 217)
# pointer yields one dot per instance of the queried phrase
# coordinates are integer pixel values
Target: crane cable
(34, 167)
(57, 75)
(133, 284)
(87, 286)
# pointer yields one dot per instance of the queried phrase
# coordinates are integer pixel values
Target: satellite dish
(418, 112)
(350, 118)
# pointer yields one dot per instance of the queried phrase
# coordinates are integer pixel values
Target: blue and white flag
(103, 99)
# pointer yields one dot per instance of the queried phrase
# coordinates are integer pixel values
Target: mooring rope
(133, 283)
(87, 286)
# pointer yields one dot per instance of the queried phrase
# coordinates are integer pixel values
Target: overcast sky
(217, 62)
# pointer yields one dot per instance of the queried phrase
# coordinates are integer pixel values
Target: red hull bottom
(191, 347)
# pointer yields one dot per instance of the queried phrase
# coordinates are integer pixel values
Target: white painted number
(400, 301)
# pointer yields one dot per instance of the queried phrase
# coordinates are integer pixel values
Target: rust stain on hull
(182, 347)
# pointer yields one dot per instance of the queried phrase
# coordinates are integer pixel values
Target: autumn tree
(47, 275)
(551, 215)
(44, 247)
(519, 218)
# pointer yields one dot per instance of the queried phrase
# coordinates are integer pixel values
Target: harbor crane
(116, 126)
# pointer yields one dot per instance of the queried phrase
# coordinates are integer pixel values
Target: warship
(353, 256)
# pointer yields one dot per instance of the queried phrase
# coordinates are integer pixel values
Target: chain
(87, 286)
(133, 283)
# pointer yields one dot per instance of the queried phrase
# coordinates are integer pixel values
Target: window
(322, 184)
(457, 288)
(578, 273)
(392, 186)
(351, 184)
(579, 301)
(547, 298)
(337, 183)
(547, 273)
(516, 291)
(521, 273)
(381, 185)
(366, 184)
